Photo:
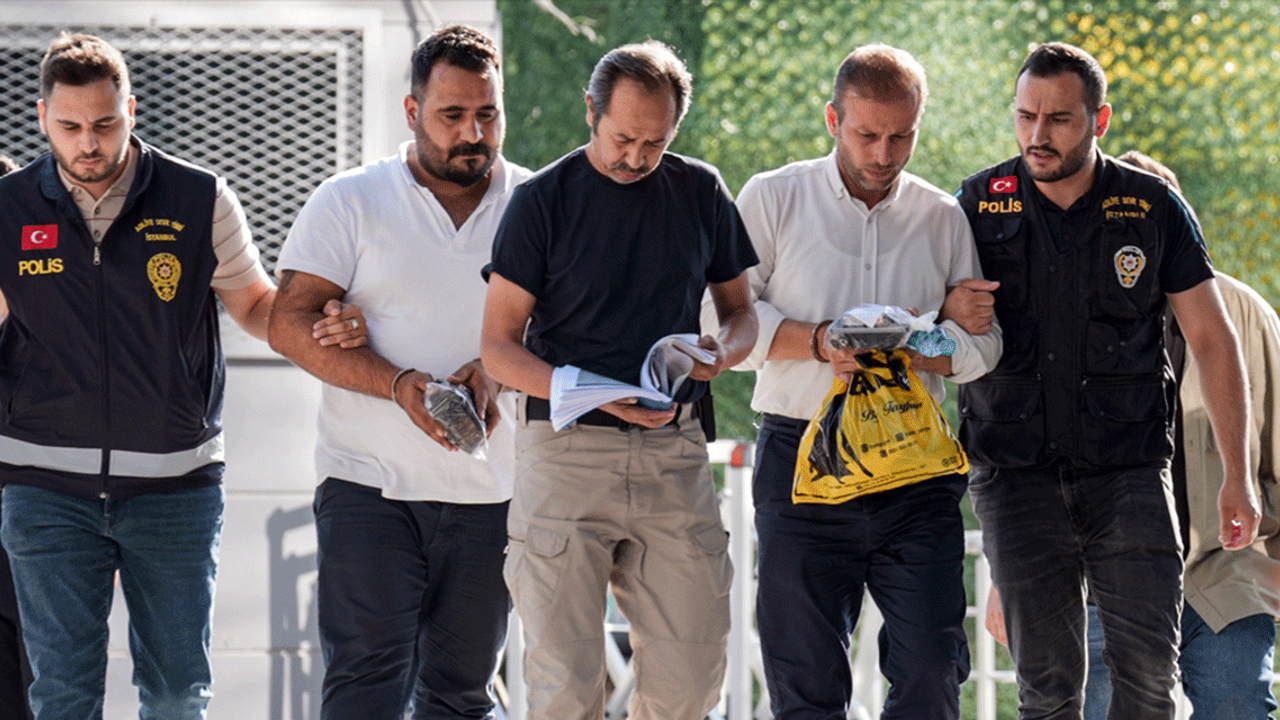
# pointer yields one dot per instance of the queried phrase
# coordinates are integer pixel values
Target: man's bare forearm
(299, 304)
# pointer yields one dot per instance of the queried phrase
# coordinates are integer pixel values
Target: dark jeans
(65, 552)
(1226, 675)
(412, 604)
(1047, 531)
(905, 546)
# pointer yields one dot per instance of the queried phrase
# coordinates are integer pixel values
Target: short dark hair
(80, 60)
(1055, 58)
(881, 72)
(1143, 161)
(651, 63)
(8, 165)
(458, 45)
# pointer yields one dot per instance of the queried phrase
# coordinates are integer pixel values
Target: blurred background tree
(1192, 85)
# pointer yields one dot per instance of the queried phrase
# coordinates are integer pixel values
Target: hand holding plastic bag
(452, 407)
(878, 431)
(888, 327)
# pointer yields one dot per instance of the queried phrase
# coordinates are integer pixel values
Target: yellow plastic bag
(879, 431)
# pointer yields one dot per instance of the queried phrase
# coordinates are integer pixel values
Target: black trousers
(905, 546)
(412, 605)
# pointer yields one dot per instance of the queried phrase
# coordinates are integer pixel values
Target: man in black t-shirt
(598, 256)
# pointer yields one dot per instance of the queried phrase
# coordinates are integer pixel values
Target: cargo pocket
(533, 570)
(1129, 287)
(714, 545)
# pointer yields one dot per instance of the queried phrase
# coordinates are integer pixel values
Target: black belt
(538, 409)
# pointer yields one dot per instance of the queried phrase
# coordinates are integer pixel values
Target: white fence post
(742, 636)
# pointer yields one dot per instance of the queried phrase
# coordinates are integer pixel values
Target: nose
(1038, 136)
(472, 131)
(634, 157)
(880, 153)
(88, 141)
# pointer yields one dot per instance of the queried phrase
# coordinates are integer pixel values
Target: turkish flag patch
(39, 237)
(1004, 184)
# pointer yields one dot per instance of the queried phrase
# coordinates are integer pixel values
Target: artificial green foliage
(1193, 84)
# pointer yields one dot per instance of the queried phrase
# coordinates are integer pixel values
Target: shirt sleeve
(322, 240)
(238, 265)
(521, 244)
(1186, 262)
(732, 253)
(975, 355)
(758, 218)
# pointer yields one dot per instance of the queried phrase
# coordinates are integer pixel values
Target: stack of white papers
(575, 391)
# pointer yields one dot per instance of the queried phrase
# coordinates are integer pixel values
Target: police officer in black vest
(1070, 436)
(111, 388)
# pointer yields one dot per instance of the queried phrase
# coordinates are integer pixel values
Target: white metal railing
(744, 677)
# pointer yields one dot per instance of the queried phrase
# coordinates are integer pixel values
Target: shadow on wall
(295, 681)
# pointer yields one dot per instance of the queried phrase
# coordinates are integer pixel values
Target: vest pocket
(1127, 263)
(1125, 423)
(1020, 342)
(1124, 347)
(45, 400)
(1002, 422)
(1003, 253)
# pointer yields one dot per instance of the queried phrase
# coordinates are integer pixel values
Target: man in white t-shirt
(411, 532)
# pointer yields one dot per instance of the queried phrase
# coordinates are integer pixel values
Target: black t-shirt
(616, 267)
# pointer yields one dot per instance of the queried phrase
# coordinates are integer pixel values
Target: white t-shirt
(822, 251)
(386, 239)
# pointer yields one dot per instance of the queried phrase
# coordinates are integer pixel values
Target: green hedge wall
(1193, 85)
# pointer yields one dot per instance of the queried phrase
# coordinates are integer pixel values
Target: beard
(1068, 164)
(866, 183)
(439, 164)
(109, 168)
(874, 187)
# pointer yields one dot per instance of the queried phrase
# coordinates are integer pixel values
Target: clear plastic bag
(888, 327)
(454, 409)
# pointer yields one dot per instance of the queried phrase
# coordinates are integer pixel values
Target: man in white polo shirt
(411, 533)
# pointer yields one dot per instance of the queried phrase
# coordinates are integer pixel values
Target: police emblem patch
(163, 269)
(1129, 261)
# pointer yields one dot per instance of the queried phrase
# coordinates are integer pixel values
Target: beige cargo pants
(636, 509)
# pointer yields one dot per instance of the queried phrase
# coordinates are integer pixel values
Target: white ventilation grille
(274, 110)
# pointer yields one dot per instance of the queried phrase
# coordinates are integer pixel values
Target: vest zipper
(104, 374)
